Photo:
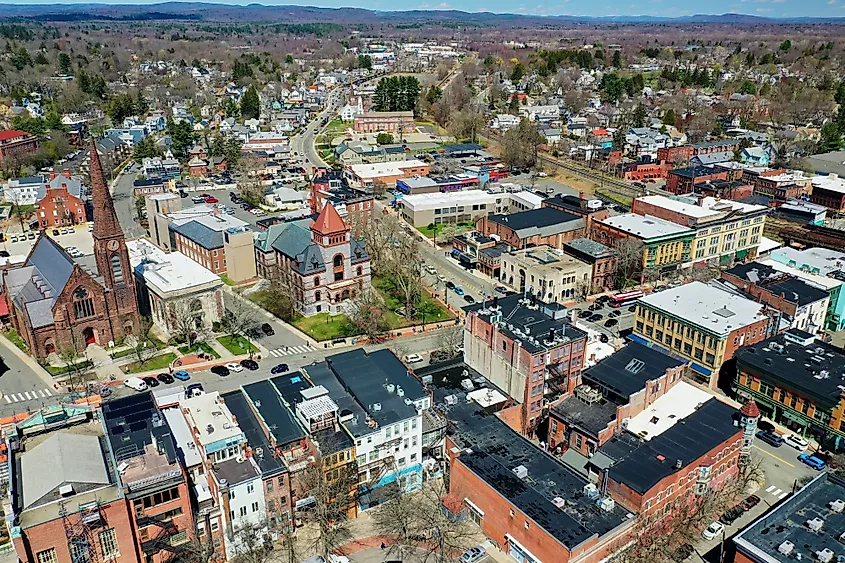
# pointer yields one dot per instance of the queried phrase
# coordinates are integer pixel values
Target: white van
(135, 383)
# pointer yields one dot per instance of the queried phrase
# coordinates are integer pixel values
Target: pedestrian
(383, 546)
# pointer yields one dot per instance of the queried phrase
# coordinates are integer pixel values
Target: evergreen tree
(831, 138)
(250, 104)
(617, 59)
(669, 117)
(64, 64)
(518, 72)
(639, 116)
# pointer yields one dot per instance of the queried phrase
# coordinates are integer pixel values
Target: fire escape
(80, 531)
(163, 538)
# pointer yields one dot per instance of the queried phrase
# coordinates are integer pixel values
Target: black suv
(770, 438)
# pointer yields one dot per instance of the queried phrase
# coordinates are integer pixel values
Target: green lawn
(154, 363)
(121, 353)
(199, 347)
(621, 199)
(238, 345)
(323, 326)
(15, 338)
(428, 309)
(432, 230)
(61, 370)
(225, 279)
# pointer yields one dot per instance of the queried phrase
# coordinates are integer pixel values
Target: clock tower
(111, 254)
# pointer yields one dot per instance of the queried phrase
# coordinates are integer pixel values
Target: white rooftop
(486, 397)
(645, 226)
(788, 177)
(712, 309)
(378, 169)
(167, 272)
(831, 183)
(680, 402)
(707, 206)
(767, 244)
(182, 436)
(816, 260)
(823, 282)
(211, 418)
(436, 199)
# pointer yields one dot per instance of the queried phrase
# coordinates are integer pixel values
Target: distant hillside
(295, 14)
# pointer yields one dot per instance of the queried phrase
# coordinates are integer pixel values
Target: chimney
(52, 175)
(582, 195)
(66, 173)
(593, 357)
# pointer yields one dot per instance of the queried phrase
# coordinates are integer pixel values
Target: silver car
(473, 554)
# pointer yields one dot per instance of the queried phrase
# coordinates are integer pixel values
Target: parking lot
(604, 318)
(19, 244)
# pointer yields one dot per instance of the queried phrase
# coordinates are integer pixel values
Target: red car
(206, 196)
(211, 200)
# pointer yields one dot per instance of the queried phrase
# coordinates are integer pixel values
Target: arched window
(318, 296)
(359, 271)
(338, 260)
(316, 281)
(116, 268)
(83, 305)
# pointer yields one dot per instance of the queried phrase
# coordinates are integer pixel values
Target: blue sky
(669, 8)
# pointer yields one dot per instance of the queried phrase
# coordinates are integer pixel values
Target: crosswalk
(777, 493)
(26, 396)
(291, 350)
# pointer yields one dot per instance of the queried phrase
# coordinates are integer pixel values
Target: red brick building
(17, 144)
(57, 303)
(779, 184)
(602, 258)
(384, 121)
(536, 227)
(829, 191)
(682, 180)
(619, 387)
(61, 204)
(675, 155)
(639, 171)
(530, 367)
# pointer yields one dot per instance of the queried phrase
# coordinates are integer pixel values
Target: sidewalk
(30, 362)
(271, 317)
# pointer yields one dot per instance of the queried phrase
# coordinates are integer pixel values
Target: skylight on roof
(635, 366)
(724, 312)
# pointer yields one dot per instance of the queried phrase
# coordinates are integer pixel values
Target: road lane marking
(48, 392)
(7, 398)
(774, 456)
(776, 492)
(28, 398)
(770, 489)
(783, 495)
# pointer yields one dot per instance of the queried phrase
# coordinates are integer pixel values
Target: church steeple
(106, 224)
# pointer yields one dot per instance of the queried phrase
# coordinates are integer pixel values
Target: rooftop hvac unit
(520, 471)
(558, 502)
(825, 555)
(815, 524)
(400, 392)
(591, 490)
(837, 505)
(376, 407)
(467, 384)
(390, 387)
(607, 504)
(451, 400)
(786, 547)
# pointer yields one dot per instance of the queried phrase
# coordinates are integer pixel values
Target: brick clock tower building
(59, 303)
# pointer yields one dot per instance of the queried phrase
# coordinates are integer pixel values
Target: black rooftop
(529, 322)
(496, 450)
(366, 376)
(134, 421)
(587, 247)
(331, 441)
(688, 440)
(788, 522)
(694, 171)
(321, 374)
(262, 451)
(277, 417)
(537, 218)
(794, 290)
(627, 371)
(800, 362)
(591, 418)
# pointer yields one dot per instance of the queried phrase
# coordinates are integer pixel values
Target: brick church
(58, 303)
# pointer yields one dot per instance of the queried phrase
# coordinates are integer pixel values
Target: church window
(338, 260)
(83, 305)
(359, 271)
(116, 268)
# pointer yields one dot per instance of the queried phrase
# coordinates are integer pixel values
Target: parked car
(750, 502)
(182, 375)
(469, 299)
(812, 461)
(712, 530)
(596, 317)
(770, 438)
(150, 381)
(135, 383)
(610, 323)
(413, 358)
(827, 457)
(730, 516)
(614, 313)
(222, 371)
(55, 232)
(501, 289)
(473, 554)
(795, 441)
(459, 290)
(232, 366)
(604, 338)
(251, 365)
(279, 368)
(267, 329)
(449, 285)
(165, 378)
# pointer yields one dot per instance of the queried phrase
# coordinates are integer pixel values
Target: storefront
(519, 552)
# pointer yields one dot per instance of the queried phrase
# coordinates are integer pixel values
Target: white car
(712, 530)
(232, 366)
(413, 358)
(135, 383)
(431, 269)
(796, 442)
(473, 554)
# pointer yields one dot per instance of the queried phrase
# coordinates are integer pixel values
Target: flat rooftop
(590, 417)
(428, 201)
(829, 183)
(714, 310)
(798, 361)
(262, 451)
(821, 261)
(589, 247)
(168, 271)
(787, 522)
(278, 418)
(678, 403)
(704, 429)
(497, 450)
(628, 370)
(646, 227)
(211, 417)
(544, 221)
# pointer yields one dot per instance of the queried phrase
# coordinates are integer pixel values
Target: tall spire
(106, 224)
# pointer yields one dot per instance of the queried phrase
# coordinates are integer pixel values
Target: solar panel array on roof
(134, 422)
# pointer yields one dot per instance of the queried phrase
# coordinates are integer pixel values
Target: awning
(701, 369)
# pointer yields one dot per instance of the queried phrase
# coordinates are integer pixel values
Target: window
(337, 261)
(83, 305)
(338, 276)
(242, 511)
(359, 271)
(255, 507)
(116, 268)
(250, 489)
(47, 556)
(108, 544)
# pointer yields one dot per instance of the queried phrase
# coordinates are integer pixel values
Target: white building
(350, 112)
(172, 285)
(463, 207)
(22, 191)
(504, 122)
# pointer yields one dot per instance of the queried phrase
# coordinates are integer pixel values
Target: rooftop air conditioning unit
(520, 471)
(786, 548)
(837, 505)
(815, 524)
(590, 490)
(825, 555)
(558, 502)
(607, 504)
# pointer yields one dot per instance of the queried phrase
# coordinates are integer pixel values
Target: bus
(625, 299)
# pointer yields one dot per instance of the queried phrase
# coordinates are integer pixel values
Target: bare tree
(583, 288)
(251, 543)
(450, 340)
(334, 497)
(250, 185)
(241, 318)
(446, 235)
(186, 322)
(629, 259)
(368, 315)
(19, 208)
(142, 347)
